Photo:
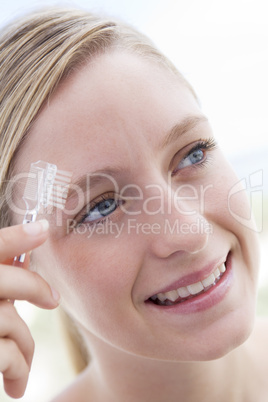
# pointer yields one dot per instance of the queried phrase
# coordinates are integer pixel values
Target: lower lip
(205, 300)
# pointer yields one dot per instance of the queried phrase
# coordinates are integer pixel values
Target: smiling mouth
(184, 293)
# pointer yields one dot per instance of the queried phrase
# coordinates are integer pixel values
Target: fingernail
(55, 294)
(36, 228)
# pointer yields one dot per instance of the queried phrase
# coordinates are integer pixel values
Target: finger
(21, 264)
(13, 327)
(24, 264)
(16, 240)
(14, 368)
(21, 284)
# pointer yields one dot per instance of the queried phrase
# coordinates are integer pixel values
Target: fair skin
(115, 113)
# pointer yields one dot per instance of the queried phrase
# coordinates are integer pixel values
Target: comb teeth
(46, 185)
(60, 189)
(32, 188)
(64, 176)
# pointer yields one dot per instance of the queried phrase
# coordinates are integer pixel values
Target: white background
(222, 48)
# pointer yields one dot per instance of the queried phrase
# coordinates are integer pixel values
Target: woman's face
(155, 213)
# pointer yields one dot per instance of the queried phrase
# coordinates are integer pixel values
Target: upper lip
(193, 277)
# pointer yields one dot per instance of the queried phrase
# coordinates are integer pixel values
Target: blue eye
(101, 210)
(194, 157)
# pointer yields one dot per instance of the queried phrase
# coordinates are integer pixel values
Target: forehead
(116, 105)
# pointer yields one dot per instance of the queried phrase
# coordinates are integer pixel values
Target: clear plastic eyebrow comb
(46, 185)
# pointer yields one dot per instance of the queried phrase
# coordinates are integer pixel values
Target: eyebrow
(91, 180)
(187, 124)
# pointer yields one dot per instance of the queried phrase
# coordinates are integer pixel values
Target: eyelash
(204, 145)
(94, 204)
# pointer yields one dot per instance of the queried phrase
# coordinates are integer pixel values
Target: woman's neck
(117, 376)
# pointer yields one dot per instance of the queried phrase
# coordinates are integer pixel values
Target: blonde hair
(36, 53)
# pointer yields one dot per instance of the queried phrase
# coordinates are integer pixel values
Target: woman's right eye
(101, 210)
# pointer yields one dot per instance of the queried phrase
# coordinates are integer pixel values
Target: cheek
(225, 198)
(227, 206)
(94, 275)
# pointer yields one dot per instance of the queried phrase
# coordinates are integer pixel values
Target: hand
(16, 343)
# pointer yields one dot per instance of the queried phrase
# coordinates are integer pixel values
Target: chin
(226, 338)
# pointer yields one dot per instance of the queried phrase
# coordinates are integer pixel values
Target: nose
(182, 227)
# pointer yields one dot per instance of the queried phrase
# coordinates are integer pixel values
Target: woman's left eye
(194, 157)
(197, 155)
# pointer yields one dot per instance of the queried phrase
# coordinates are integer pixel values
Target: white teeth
(183, 292)
(209, 280)
(161, 296)
(192, 289)
(222, 268)
(195, 288)
(172, 295)
(217, 273)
